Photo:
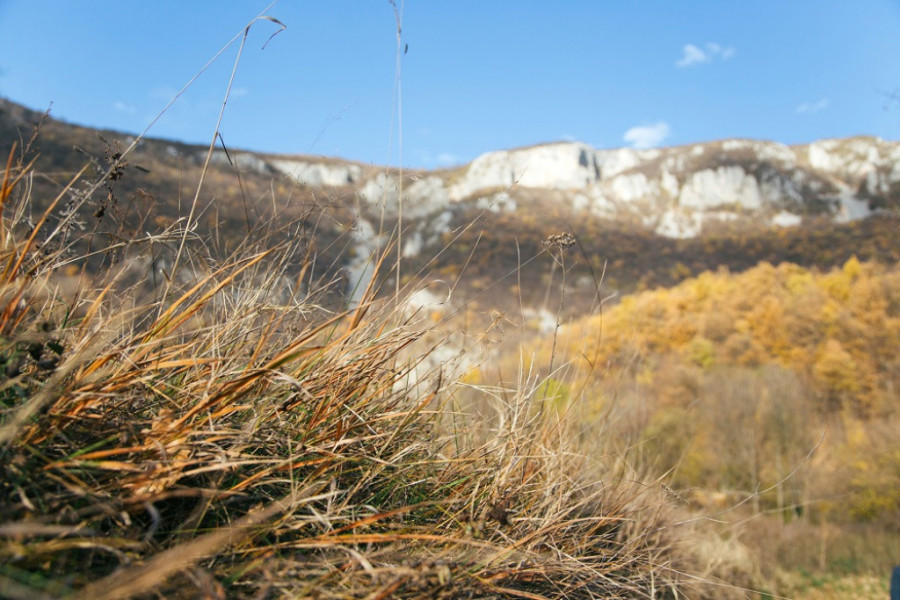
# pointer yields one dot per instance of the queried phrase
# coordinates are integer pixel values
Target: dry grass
(214, 442)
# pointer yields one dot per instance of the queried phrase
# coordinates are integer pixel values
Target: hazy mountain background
(641, 218)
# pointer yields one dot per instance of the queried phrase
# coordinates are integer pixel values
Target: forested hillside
(772, 391)
(738, 375)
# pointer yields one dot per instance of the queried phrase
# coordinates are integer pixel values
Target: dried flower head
(559, 241)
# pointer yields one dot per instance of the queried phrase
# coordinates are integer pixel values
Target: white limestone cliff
(674, 191)
(311, 173)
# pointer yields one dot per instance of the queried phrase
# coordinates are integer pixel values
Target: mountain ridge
(655, 216)
(674, 189)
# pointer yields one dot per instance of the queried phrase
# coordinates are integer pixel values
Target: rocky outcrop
(553, 166)
(676, 191)
(317, 173)
(245, 161)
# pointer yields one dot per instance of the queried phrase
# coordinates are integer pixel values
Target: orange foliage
(840, 330)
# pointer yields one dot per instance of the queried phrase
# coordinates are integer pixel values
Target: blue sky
(478, 75)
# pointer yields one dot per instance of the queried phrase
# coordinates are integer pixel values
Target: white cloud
(717, 50)
(239, 92)
(445, 159)
(812, 107)
(694, 55)
(691, 55)
(125, 108)
(647, 136)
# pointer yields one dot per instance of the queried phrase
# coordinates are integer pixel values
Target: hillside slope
(768, 398)
(646, 218)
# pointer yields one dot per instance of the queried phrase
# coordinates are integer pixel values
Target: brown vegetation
(210, 440)
(770, 392)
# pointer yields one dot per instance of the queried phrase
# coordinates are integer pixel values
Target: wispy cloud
(691, 55)
(125, 108)
(694, 55)
(647, 136)
(812, 107)
(446, 159)
(163, 93)
(441, 160)
(720, 51)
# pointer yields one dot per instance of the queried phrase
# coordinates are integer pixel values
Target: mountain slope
(649, 217)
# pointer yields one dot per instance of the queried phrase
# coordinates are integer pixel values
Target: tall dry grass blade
(368, 296)
(9, 183)
(12, 269)
(170, 319)
(6, 186)
(216, 135)
(413, 413)
(5, 190)
(235, 388)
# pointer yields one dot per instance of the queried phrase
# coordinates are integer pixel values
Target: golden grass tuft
(212, 442)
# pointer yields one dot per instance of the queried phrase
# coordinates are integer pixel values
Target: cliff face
(674, 192)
